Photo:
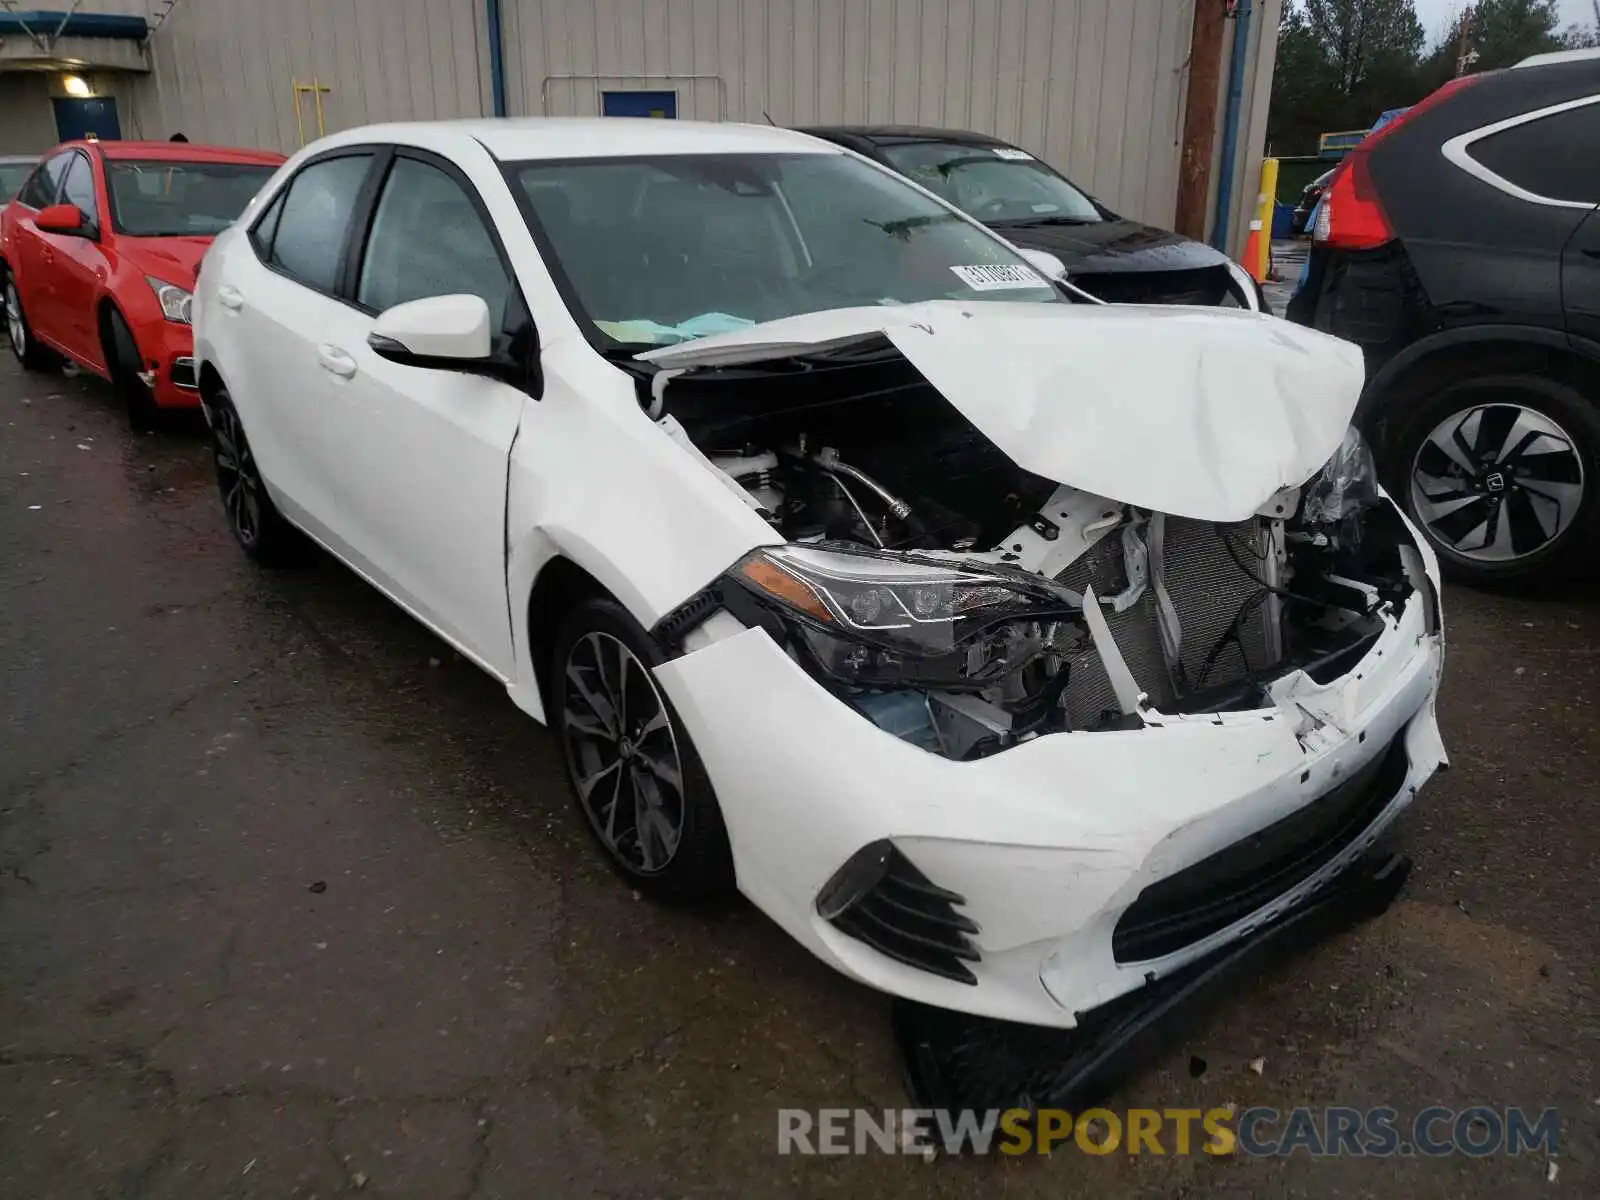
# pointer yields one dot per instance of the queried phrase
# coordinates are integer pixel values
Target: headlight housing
(874, 620)
(1346, 487)
(177, 304)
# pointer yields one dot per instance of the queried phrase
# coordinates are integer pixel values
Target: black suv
(1459, 246)
(1035, 207)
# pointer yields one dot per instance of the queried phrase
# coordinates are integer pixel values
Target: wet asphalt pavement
(294, 903)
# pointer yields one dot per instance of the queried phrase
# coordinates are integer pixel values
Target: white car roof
(1560, 56)
(517, 139)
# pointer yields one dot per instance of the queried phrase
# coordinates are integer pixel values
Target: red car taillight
(1351, 216)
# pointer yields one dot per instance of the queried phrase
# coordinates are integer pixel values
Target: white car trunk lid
(1203, 413)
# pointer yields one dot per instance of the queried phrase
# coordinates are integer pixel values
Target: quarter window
(1552, 157)
(78, 189)
(428, 240)
(40, 191)
(308, 241)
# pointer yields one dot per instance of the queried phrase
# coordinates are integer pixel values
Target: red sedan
(98, 257)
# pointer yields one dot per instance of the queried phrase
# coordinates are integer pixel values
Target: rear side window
(307, 241)
(40, 191)
(1554, 157)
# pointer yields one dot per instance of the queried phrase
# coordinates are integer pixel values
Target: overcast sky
(1436, 14)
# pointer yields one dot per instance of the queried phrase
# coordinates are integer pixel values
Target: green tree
(1503, 32)
(1340, 63)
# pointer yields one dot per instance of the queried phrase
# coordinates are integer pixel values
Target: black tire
(19, 334)
(1500, 468)
(123, 362)
(261, 530)
(698, 863)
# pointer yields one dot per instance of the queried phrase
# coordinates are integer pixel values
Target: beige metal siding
(1092, 86)
(223, 70)
(27, 119)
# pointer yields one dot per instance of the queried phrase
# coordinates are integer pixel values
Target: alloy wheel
(17, 331)
(1497, 482)
(237, 475)
(623, 753)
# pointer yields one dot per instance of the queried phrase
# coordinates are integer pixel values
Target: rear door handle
(1592, 251)
(336, 360)
(230, 297)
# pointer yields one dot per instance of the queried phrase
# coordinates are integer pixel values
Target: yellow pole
(316, 90)
(1266, 200)
(299, 121)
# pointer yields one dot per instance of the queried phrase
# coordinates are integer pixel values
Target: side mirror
(1046, 264)
(61, 218)
(438, 332)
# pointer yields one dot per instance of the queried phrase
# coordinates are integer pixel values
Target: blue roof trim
(102, 25)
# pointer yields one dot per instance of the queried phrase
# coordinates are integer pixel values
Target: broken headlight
(1335, 498)
(881, 620)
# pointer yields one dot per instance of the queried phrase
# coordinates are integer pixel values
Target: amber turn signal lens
(781, 585)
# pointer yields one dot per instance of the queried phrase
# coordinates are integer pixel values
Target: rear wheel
(257, 525)
(1500, 472)
(124, 363)
(32, 355)
(634, 772)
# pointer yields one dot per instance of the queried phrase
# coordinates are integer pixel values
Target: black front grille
(1237, 880)
(1205, 285)
(914, 921)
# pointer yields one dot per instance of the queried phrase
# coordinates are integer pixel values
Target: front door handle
(336, 360)
(230, 297)
(1591, 251)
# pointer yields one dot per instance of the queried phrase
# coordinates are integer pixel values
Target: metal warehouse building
(1112, 92)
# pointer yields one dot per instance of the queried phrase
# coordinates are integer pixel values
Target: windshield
(178, 199)
(664, 249)
(993, 183)
(12, 177)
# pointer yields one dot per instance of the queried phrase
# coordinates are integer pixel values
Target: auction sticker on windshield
(1012, 155)
(995, 277)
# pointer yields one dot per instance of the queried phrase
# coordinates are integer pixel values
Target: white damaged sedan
(1009, 651)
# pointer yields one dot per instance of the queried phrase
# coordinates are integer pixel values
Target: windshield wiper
(906, 226)
(1057, 219)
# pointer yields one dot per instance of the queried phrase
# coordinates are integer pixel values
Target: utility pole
(1200, 116)
(1465, 54)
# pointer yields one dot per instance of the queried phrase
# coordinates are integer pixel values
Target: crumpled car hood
(1197, 412)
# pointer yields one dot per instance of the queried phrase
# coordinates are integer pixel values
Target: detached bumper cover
(1052, 844)
(956, 1061)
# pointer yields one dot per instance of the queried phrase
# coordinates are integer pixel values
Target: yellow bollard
(1258, 246)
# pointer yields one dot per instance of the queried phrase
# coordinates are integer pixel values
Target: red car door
(79, 266)
(31, 254)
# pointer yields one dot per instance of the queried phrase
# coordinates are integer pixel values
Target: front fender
(595, 481)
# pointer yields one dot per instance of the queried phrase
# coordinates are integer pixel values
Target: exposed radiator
(1208, 589)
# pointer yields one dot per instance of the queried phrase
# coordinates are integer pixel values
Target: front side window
(997, 184)
(40, 191)
(78, 189)
(427, 239)
(662, 249)
(308, 241)
(160, 198)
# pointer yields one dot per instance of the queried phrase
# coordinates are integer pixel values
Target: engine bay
(854, 452)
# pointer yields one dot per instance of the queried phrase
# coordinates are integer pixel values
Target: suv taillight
(1351, 216)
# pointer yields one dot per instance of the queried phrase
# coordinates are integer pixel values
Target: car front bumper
(1050, 842)
(167, 363)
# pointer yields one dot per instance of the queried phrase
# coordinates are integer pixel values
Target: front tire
(1499, 470)
(32, 355)
(261, 530)
(124, 363)
(634, 772)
